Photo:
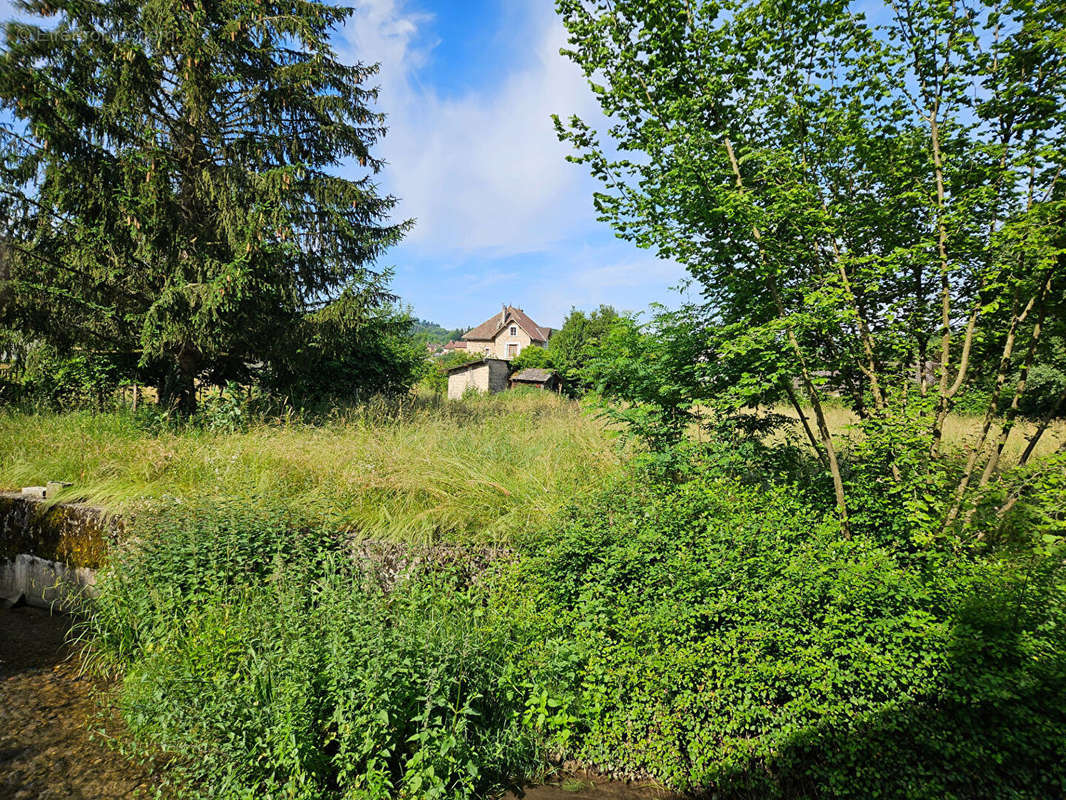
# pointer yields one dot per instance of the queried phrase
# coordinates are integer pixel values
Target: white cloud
(614, 273)
(482, 171)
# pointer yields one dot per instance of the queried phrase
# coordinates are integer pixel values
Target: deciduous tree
(877, 201)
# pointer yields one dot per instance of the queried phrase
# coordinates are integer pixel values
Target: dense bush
(78, 379)
(729, 638)
(266, 665)
(690, 624)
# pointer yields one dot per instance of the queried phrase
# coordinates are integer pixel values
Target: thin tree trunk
(1019, 390)
(808, 384)
(806, 425)
(978, 447)
(1043, 426)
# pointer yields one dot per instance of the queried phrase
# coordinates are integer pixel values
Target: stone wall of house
(520, 339)
(476, 377)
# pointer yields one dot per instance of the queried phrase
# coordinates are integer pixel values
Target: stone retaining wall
(49, 552)
(76, 534)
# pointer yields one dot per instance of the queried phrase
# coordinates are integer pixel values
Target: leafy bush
(723, 637)
(693, 624)
(266, 664)
(72, 380)
(532, 357)
(573, 345)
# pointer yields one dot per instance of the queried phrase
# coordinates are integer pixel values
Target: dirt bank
(46, 714)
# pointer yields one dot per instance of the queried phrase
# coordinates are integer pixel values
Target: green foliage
(169, 183)
(74, 380)
(427, 331)
(571, 347)
(656, 380)
(266, 664)
(532, 357)
(347, 351)
(867, 203)
(728, 639)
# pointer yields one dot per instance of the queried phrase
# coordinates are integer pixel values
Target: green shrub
(532, 357)
(728, 638)
(719, 636)
(266, 664)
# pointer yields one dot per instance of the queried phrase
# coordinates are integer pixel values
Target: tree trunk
(178, 391)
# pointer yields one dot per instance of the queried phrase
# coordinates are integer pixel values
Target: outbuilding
(539, 378)
(489, 375)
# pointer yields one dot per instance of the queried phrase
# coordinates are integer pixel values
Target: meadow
(487, 470)
(418, 470)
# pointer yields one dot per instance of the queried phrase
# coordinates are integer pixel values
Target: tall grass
(959, 431)
(480, 471)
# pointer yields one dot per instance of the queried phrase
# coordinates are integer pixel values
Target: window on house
(514, 330)
(512, 350)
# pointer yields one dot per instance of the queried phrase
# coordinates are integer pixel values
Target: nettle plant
(872, 203)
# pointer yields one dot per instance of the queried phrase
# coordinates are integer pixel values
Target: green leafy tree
(431, 332)
(352, 348)
(533, 357)
(170, 186)
(657, 371)
(570, 346)
(876, 203)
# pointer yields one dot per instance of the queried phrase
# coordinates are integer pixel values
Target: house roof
(478, 363)
(487, 330)
(532, 375)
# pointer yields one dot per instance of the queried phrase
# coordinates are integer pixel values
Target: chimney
(503, 314)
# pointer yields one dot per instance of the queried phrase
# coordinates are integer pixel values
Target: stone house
(489, 375)
(506, 334)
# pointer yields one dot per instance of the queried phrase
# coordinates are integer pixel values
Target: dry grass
(960, 431)
(484, 470)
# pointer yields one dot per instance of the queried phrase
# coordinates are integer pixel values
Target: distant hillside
(434, 332)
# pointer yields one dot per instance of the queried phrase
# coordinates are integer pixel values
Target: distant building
(539, 378)
(506, 334)
(454, 345)
(489, 375)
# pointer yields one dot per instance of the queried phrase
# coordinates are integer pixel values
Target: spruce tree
(170, 182)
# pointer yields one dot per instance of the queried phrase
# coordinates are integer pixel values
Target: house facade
(506, 334)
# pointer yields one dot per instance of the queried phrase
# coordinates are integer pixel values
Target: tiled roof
(488, 329)
(478, 363)
(532, 375)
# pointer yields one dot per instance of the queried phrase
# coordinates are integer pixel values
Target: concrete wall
(49, 552)
(45, 583)
(475, 377)
(489, 376)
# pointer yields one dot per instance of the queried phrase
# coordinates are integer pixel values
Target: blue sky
(469, 87)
